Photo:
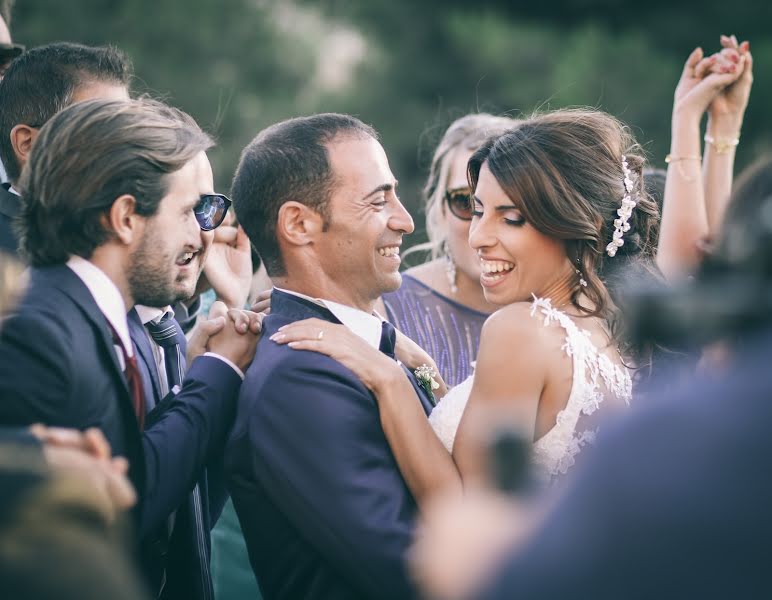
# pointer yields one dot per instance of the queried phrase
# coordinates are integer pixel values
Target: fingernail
(734, 58)
(746, 46)
(277, 337)
(282, 328)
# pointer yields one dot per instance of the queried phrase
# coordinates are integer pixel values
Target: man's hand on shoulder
(232, 334)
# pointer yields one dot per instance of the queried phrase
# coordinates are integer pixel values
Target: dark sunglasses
(460, 203)
(211, 210)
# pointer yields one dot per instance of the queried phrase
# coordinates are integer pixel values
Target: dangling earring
(582, 280)
(450, 268)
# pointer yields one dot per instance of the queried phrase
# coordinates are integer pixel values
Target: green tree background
(409, 67)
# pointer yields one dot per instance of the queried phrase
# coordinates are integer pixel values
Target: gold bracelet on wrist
(670, 158)
(722, 145)
(677, 160)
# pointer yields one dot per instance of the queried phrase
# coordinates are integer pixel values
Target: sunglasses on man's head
(460, 203)
(211, 210)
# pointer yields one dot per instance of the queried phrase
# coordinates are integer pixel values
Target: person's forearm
(684, 219)
(718, 167)
(426, 465)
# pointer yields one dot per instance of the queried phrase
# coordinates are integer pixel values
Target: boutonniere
(425, 375)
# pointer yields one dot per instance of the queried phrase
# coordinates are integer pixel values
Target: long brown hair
(563, 171)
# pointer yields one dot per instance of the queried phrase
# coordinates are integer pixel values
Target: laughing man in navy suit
(324, 508)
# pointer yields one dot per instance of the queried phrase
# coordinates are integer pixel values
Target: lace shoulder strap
(578, 344)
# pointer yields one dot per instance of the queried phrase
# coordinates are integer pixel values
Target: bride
(554, 201)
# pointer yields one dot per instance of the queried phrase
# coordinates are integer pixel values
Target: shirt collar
(106, 295)
(365, 325)
(14, 191)
(149, 314)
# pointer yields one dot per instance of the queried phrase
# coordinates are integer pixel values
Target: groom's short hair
(288, 161)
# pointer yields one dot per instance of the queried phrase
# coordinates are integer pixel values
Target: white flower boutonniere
(426, 379)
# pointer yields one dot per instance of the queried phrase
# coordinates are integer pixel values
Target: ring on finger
(320, 335)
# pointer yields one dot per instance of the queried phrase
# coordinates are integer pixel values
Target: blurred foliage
(409, 67)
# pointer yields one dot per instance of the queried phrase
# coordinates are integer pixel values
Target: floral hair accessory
(426, 379)
(621, 224)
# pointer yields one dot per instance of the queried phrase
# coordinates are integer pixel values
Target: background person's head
(116, 182)
(47, 79)
(318, 200)
(447, 194)
(562, 175)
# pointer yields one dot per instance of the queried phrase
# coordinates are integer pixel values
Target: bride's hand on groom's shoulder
(376, 370)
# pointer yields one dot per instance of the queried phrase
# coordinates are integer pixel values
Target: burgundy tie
(133, 378)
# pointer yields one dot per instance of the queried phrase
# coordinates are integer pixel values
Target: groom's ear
(298, 224)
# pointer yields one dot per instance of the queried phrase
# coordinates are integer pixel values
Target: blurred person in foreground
(674, 501)
(440, 304)
(112, 195)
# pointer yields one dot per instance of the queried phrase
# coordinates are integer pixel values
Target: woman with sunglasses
(441, 305)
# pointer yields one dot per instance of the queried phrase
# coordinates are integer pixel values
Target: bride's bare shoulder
(513, 319)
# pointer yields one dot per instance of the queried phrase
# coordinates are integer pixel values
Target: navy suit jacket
(189, 548)
(323, 506)
(9, 208)
(673, 503)
(58, 366)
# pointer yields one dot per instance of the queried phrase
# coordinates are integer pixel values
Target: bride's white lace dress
(597, 382)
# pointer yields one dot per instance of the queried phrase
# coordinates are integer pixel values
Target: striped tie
(164, 333)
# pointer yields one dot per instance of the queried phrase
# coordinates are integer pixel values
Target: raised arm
(684, 215)
(725, 118)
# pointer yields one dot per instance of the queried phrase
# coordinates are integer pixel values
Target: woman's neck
(560, 291)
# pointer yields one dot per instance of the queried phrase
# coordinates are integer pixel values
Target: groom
(324, 509)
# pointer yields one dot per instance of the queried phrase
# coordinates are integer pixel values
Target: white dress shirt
(365, 325)
(107, 297)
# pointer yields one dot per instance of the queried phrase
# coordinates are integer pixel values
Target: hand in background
(228, 267)
(732, 100)
(262, 303)
(87, 457)
(701, 81)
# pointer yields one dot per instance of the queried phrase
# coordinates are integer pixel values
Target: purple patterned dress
(447, 330)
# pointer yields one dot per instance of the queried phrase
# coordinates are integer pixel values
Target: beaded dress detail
(597, 384)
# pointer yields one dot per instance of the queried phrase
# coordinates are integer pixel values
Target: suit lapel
(297, 308)
(64, 279)
(69, 283)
